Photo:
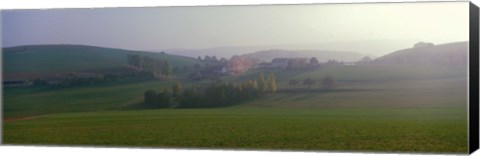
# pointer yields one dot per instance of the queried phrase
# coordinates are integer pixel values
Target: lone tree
(163, 99)
(314, 62)
(272, 83)
(328, 82)
(261, 83)
(255, 85)
(165, 67)
(149, 97)
(423, 44)
(309, 82)
(177, 89)
(364, 60)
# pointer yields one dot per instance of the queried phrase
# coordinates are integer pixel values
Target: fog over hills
(373, 48)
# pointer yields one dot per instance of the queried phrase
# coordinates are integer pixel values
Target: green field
(21, 102)
(407, 130)
(373, 108)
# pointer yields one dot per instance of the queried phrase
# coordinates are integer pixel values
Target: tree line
(302, 63)
(72, 80)
(327, 82)
(159, 68)
(213, 95)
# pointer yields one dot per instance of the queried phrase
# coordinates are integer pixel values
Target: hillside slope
(443, 54)
(43, 59)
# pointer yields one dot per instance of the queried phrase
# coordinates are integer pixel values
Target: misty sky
(216, 26)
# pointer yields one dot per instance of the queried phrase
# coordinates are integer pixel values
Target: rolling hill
(375, 107)
(24, 61)
(443, 54)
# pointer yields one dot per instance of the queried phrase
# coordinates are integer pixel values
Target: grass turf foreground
(437, 130)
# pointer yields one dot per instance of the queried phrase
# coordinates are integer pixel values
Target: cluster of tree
(164, 98)
(267, 85)
(159, 68)
(218, 95)
(302, 63)
(213, 95)
(215, 68)
(74, 81)
(314, 62)
(297, 63)
(187, 68)
(364, 60)
(212, 60)
(157, 100)
(423, 44)
(239, 64)
(71, 81)
(333, 62)
(209, 72)
(327, 82)
(211, 69)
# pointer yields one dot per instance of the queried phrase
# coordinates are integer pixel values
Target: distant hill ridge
(22, 61)
(443, 54)
(321, 55)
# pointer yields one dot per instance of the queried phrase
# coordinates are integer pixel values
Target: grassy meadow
(405, 130)
(373, 108)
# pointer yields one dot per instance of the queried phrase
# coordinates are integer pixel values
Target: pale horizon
(160, 28)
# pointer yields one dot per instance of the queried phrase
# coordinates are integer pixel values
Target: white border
(45, 4)
(82, 151)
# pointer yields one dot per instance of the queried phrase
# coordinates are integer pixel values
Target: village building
(238, 64)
